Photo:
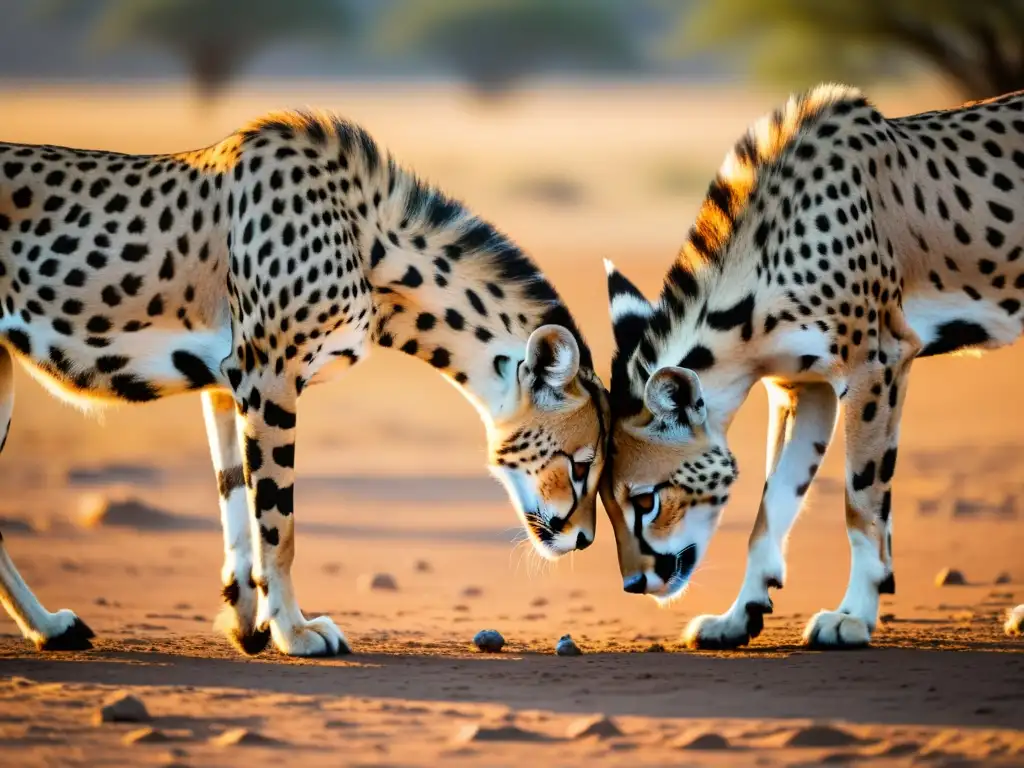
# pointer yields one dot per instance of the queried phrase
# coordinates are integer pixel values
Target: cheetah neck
(453, 291)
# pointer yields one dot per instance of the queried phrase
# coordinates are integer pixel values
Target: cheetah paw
(66, 632)
(313, 637)
(728, 631)
(836, 630)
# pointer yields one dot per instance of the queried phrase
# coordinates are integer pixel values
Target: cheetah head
(549, 448)
(669, 471)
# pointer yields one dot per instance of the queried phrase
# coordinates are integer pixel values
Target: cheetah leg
(60, 631)
(268, 433)
(873, 406)
(238, 617)
(802, 418)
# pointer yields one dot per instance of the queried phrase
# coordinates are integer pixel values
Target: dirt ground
(392, 481)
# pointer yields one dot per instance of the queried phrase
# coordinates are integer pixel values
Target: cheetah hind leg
(60, 631)
(237, 619)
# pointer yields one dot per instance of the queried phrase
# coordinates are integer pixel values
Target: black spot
(286, 500)
(22, 198)
(454, 319)
(698, 359)
(870, 410)
(20, 341)
(954, 335)
(739, 315)
(476, 302)
(886, 508)
(130, 387)
(65, 245)
(270, 535)
(440, 358)
(193, 369)
(807, 362)
(412, 278)
(888, 466)
(134, 252)
(276, 416)
(266, 495)
(111, 363)
(865, 478)
(253, 454)
(230, 593)
(377, 253)
(284, 455)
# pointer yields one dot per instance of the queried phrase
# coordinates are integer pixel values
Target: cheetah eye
(580, 469)
(643, 503)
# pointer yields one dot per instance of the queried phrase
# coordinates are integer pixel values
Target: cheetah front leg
(268, 420)
(802, 418)
(238, 617)
(873, 406)
(60, 631)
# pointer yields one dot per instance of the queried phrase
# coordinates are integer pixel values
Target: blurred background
(583, 128)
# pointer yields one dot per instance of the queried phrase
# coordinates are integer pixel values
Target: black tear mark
(954, 335)
(276, 416)
(742, 314)
(865, 478)
(698, 359)
(888, 466)
(197, 373)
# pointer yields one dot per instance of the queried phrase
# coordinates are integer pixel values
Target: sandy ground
(391, 474)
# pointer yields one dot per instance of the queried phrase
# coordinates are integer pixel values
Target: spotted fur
(833, 248)
(259, 266)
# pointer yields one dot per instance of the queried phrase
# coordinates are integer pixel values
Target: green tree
(493, 44)
(216, 39)
(978, 47)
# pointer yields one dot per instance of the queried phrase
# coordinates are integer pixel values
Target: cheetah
(833, 248)
(251, 269)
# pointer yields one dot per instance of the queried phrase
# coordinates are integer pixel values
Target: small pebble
(655, 648)
(567, 647)
(472, 592)
(950, 577)
(705, 741)
(885, 618)
(122, 708)
(423, 566)
(241, 737)
(597, 726)
(489, 641)
(145, 736)
(539, 602)
(371, 582)
(1004, 578)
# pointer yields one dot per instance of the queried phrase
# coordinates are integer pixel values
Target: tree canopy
(977, 46)
(495, 43)
(216, 39)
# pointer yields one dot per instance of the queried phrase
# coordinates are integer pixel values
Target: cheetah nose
(582, 542)
(636, 584)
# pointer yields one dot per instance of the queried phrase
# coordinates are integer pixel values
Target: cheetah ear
(552, 356)
(674, 395)
(630, 310)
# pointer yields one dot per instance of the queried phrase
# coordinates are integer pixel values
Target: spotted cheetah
(259, 266)
(833, 248)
